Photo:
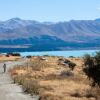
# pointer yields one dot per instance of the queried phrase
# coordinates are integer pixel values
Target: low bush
(29, 56)
(71, 65)
(71, 57)
(13, 54)
(76, 94)
(66, 73)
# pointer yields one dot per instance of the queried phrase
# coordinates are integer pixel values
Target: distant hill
(41, 36)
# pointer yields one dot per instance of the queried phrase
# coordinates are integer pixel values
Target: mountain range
(27, 35)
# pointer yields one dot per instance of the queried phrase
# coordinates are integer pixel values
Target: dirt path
(8, 90)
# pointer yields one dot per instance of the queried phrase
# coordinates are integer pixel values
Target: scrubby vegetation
(9, 57)
(28, 85)
(29, 56)
(52, 79)
(92, 68)
(13, 54)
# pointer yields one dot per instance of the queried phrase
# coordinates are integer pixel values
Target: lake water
(75, 53)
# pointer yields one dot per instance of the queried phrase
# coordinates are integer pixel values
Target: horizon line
(19, 18)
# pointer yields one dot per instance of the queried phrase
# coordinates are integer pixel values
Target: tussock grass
(54, 82)
(31, 86)
(38, 64)
(50, 97)
(28, 85)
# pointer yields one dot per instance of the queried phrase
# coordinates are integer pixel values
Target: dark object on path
(4, 66)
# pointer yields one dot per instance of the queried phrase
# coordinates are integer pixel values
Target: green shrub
(92, 68)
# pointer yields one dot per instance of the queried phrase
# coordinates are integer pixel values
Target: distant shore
(74, 53)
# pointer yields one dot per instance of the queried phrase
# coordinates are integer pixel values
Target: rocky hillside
(38, 36)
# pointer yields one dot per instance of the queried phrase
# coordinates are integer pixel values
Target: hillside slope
(38, 36)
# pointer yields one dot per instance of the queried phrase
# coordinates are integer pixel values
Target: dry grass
(52, 81)
(10, 58)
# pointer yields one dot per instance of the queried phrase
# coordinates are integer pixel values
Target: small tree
(88, 60)
(92, 68)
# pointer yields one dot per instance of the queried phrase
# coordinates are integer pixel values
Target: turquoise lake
(75, 53)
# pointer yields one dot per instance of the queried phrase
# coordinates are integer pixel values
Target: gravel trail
(8, 90)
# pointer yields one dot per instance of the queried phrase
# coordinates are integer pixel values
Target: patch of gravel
(8, 90)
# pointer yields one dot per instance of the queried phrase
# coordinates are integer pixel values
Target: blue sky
(50, 10)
